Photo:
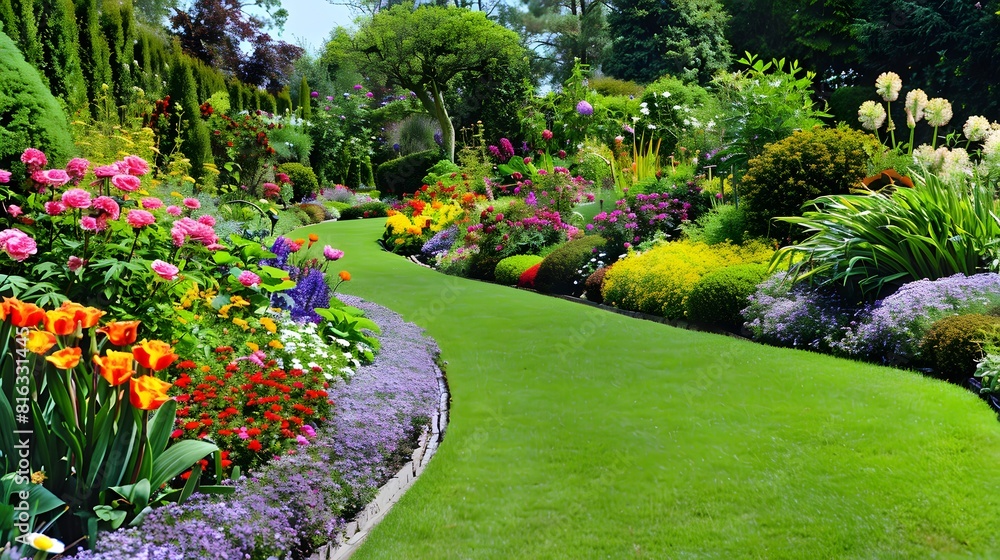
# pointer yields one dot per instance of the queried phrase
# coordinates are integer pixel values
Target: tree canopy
(424, 49)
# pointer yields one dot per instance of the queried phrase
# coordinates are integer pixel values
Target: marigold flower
(60, 322)
(269, 324)
(39, 342)
(23, 314)
(154, 354)
(67, 358)
(345, 276)
(148, 392)
(121, 333)
(115, 367)
(313, 238)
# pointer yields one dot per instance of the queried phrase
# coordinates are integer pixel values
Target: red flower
(254, 445)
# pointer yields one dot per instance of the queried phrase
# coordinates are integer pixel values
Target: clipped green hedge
(954, 344)
(367, 210)
(405, 175)
(508, 271)
(30, 117)
(719, 296)
(558, 272)
(304, 181)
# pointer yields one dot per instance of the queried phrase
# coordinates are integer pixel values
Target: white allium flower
(956, 163)
(888, 85)
(929, 157)
(976, 128)
(916, 102)
(938, 112)
(871, 115)
(991, 147)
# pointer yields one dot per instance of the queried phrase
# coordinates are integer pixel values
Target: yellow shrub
(658, 281)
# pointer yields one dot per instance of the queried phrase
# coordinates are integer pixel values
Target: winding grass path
(578, 433)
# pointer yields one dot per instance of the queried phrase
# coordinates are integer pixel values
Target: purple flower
(314, 94)
(506, 148)
(585, 109)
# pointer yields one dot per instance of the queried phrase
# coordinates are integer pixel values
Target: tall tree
(59, 36)
(424, 49)
(95, 55)
(685, 38)
(27, 31)
(118, 28)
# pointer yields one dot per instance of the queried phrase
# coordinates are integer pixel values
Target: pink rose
(185, 228)
(164, 270)
(126, 183)
(192, 203)
(332, 254)
(76, 198)
(56, 177)
(34, 159)
(77, 168)
(173, 210)
(108, 206)
(75, 263)
(105, 171)
(134, 165)
(249, 279)
(206, 220)
(54, 208)
(215, 246)
(546, 134)
(4, 176)
(90, 223)
(140, 218)
(152, 203)
(17, 244)
(283, 178)
(14, 210)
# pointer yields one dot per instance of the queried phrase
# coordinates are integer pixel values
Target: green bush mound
(557, 272)
(592, 286)
(509, 270)
(304, 181)
(806, 165)
(954, 345)
(338, 206)
(373, 209)
(724, 223)
(30, 116)
(719, 297)
(316, 212)
(405, 175)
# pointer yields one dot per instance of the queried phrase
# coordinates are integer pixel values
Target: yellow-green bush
(658, 281)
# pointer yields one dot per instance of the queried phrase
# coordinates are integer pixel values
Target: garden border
(356, 531)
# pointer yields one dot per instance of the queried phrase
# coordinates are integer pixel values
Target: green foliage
(405, 175)
(558, 271)
(193, 138)
(304, 182)
(509, 270)
(875, 241)
(31, 116)
(844, 103)
(315, 212)
(284, 101)
(606, 85)
(27, 31)
(651, 38)
(491, 98)
(724, 223)
(291, 142)
(674, 109)
(365, 210)
(305, 99)
(59, 36)
(416, 134)
(806, 165)
(659, 280)
(95, 53)
(719, 296)
(118, 27)
(954, 344)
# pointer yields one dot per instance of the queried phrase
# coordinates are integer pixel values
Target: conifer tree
(27, 31)
(61, 52)
(305, 103)
(95, 55)
(186, 115)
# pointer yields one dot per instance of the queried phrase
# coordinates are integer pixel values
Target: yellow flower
(241, 323)
(269, 324)
(38, 477)
(224, 311)
(276, 344)
(253, 346)
(176, 194)
(239, 301)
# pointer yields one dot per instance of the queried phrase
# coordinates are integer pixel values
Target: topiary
(558, 271)
(373, 209)
(719, 297)
(806, 165)
(30, 117)
(508, 271)
(405, 175)
(954, 345)
(592, 286)
(527, 279)
(304, 181)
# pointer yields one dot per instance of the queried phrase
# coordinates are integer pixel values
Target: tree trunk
(435, 107)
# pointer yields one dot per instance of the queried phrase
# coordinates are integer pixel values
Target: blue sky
(310, 22)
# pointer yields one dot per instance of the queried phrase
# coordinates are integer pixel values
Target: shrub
(592, 286)
(606, 85)
(304, 181)
(527, 280)
(719, 297)
(339, 206)
(31, 115)
(806, 165)
(724, 223)
(509, 270)
(316, 212)
(675, 106)
(558, 270)
(898, 323)
(954, 345)
(844, 103)
(405, 175)
(373, 209)
(659, 280)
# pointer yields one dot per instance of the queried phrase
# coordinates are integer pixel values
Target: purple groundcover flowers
(441, 242)
(299, 501)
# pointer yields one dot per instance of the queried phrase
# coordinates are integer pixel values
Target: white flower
(41, 542)
(928, 157)
(991, 147)
(976, 128)
(938, 112)
(651, 126)
(888, 85)
(677, 107)
(644, 110)
(871, 115)
(635, 119)
(916, 102)
(666, 94)
(956, 163)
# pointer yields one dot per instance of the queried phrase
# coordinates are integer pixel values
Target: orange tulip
(121, 333)
(148, 392)
(345, 276)
(40, 342)
(23, 314)
(67, 358)
(116, 367)
(313, 237)
(154, 354)
(60, 322)
(86, 316)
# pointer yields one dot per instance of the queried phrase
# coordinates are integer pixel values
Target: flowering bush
(639, 218)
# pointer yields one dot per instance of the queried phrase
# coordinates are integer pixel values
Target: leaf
(179, 458)
(161, 425)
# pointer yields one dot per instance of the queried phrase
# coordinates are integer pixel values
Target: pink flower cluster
(249, 279)
(186, 228)
(17, 244)
(164, 269)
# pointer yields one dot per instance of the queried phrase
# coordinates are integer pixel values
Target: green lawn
(579, 433)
